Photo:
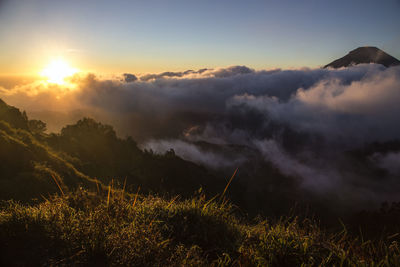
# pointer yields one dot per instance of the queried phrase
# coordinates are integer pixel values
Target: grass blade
(97, 185)
(230, 180)
(123, 190)
(172, 201)
(136, 196)
(59, 187)
(108, 195)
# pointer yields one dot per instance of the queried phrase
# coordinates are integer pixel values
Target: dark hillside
(13, 116)
(32, 159)
(29, 168)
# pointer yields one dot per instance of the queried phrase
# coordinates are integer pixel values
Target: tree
(37, 126)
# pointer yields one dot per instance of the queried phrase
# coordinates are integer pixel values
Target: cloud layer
(301, 121)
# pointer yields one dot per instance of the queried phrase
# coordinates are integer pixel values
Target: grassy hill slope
(97, 230)
(29, 168)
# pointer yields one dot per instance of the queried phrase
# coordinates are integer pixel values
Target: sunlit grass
(105, 228)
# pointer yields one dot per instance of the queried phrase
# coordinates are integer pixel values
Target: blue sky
(153, 36)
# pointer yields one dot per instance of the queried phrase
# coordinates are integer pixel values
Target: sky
(155, 36)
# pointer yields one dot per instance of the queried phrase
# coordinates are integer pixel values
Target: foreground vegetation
(106, 229)
(92, 223)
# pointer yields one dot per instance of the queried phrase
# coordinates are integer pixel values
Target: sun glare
(57, 71)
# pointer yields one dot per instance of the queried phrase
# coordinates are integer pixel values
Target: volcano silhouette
(366, 54)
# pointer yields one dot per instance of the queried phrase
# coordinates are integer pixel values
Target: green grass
(84, 229)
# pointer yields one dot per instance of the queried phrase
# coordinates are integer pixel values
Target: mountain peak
(364, 54)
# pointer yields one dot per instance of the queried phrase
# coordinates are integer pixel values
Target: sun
(57, 70)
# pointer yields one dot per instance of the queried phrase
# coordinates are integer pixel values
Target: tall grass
(86, 228)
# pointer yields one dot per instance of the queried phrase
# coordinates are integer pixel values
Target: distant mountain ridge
(365, 54)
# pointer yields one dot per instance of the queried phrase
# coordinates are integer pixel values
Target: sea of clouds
(301, 121)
